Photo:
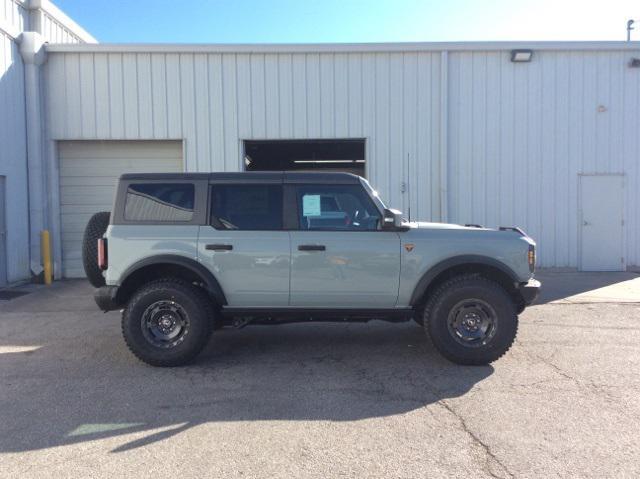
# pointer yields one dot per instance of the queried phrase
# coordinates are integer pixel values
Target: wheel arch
(464, 264)
(169, 265)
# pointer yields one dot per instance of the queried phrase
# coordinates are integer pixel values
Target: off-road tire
(436, 317)
(199, 311)
(95, 229)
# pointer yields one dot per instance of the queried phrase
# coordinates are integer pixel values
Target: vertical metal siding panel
(216, 113)
(230, 97)
(174, 101)
(395, 159)
(272, 96)
(341, 95)
(409, 131)
(187, 98)
(560, 214)
(159, 96)
(439, 141)
(453, 147)
(617, 65)
(382, 125)
(258, 102)
(548, 160)
(73, 99)
(575, 128)
(243, 65)
(478, 205)
(102, 100)
(56, 98)
(465, 137)
(285, 95)
(631, 163)
(589, 113)
(423, 169)
(145, 91)
(369, 107)
(313, 95)
(354, 95)
(534, 170)
(300, 96)
(327, 96)
(603, 118)
(492, 142)
(130, 89)
(116, 95)
(87, 96)
(202, 113)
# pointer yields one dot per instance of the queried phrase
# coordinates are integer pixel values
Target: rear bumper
(530, 291)
(105, 298)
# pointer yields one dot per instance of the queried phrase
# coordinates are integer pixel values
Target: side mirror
(392, 219)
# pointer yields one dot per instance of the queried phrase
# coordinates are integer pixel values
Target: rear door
(244, 244)
(339, 256)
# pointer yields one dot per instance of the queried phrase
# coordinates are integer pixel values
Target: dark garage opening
(305, 155)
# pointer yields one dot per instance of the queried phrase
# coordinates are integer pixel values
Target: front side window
(336, 208)
(246, 207)
(159, 202)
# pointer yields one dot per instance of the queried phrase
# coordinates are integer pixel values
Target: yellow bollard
(45, 246)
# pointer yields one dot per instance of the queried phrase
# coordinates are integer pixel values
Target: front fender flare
(431, 274)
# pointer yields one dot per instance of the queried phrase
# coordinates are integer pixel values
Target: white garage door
(88, 175)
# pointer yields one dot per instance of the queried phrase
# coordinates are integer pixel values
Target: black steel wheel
(168, 322)
(471, 320)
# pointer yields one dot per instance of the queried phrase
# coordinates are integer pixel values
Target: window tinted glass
(336, 207)
(159, 202)
(246, 207)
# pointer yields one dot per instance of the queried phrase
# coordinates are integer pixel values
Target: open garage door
(89, 171)
(346, 155)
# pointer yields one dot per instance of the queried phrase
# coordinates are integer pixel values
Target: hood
(444, 226)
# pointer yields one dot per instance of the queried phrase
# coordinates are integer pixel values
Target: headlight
(531, 258)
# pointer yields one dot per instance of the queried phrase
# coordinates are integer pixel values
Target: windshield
(374, 194)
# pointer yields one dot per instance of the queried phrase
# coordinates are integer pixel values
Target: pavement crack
(491, 460)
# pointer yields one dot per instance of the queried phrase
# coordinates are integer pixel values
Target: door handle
(311, 247)
(219, 247)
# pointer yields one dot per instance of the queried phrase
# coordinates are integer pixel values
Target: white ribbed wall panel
(213, 101)
(515, 137)
(520, 134)
(13, 158)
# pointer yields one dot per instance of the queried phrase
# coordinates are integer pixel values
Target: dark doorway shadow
(339, 372)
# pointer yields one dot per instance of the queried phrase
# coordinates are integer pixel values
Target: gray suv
(185, 254)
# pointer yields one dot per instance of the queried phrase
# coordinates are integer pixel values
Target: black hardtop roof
(251, 177)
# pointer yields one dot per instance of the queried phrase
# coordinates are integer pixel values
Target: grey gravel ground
(324, 400)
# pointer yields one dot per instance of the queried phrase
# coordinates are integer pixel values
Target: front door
(245, 246)
(601, 223)
(339, 257)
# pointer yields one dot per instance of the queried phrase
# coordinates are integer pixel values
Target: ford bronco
(185, 254)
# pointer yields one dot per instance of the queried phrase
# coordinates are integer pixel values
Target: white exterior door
(89, 171)
(601, 223)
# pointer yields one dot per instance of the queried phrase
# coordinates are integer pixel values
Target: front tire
(471, 320)
(167, 322)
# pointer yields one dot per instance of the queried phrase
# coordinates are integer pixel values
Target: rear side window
(246, 207)
(159, 202)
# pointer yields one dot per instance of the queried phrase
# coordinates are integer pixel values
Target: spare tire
(96, 228)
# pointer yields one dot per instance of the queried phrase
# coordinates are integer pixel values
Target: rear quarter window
(159, 202)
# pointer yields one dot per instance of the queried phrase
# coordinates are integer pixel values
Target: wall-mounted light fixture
(634, 63)
(521, 56)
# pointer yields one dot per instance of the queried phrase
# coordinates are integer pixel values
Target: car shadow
(55, 395)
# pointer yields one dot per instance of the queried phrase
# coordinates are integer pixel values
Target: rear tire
(168, 322)
(95, 229)
(471, 320)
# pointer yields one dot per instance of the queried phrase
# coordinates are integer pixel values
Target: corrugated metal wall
(520, 134)
(13, 157)
(516, 135)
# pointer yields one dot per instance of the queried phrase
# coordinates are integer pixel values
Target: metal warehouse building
(454, 132)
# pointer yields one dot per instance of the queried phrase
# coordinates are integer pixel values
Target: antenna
(409, 185)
